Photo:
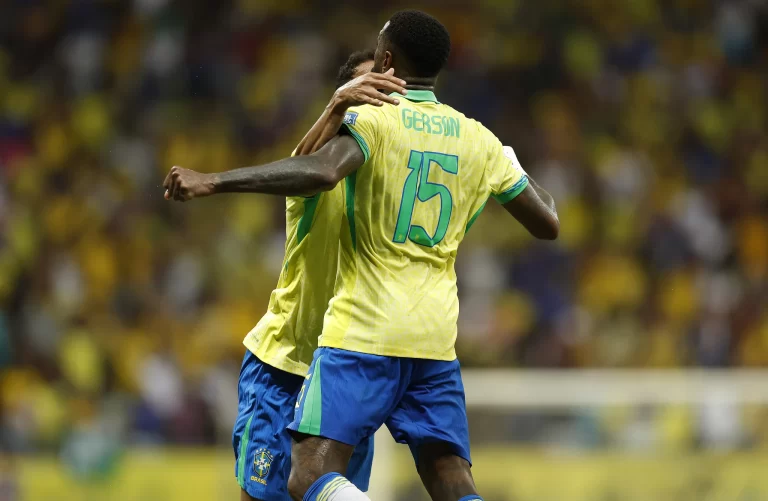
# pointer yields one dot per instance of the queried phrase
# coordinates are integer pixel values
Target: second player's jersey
(286, 336)
(428, 173)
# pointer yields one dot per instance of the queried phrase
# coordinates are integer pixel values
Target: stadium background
(121, 315)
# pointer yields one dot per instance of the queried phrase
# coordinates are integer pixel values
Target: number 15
(417, 185)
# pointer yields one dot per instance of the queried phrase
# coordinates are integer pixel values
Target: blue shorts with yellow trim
(349, 395)
(267, 402)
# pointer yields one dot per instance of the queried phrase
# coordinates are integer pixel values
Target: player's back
(429, 171)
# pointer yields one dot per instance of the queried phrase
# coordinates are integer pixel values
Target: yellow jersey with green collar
(287, 335)
(428, 173)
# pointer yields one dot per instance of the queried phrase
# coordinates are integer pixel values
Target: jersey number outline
(417, 185)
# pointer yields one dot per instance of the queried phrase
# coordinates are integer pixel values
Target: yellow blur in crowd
(646, 124)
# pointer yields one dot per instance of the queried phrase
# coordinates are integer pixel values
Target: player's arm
(371, 88)
(294, 176)
(535, 209)
(520, 195)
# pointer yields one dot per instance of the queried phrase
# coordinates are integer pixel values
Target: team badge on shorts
(262, 461)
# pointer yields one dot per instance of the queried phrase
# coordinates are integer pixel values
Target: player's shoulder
(475, 127)
(368, 113)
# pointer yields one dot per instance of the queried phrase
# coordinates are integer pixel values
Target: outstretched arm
(371, 88)
(536, 211)
(294, 176)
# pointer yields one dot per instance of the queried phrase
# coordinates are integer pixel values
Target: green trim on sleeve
(305, 222)
(360, 141)
(474, 218)
(514, 191)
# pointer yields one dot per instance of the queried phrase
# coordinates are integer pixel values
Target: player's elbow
(547, 229)
(326, 180)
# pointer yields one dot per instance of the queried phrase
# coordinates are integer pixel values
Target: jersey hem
(387, 351)
(283, 364)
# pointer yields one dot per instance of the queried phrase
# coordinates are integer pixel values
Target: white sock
(334, 487)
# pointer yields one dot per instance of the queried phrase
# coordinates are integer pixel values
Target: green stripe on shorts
(313, 405)
(241, 459)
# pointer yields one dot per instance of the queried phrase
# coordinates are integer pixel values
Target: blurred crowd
(122, 315)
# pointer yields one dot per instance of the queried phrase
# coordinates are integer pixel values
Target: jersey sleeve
(507, 177)
(363, 123)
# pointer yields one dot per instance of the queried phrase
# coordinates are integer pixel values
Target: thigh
(432, 410)
(261, 440)
(347, 395)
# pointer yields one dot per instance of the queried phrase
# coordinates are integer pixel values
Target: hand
(183, 184)
(371, 88)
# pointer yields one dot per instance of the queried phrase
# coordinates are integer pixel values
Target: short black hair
(347, 70)
(421, 39)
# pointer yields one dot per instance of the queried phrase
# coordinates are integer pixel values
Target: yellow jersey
(428, 172)
(286, 336)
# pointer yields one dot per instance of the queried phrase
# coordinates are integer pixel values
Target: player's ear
(387, 61)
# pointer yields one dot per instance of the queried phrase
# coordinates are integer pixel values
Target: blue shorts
(262, 443)
(350, 395)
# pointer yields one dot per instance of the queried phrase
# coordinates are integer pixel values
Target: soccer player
(416, 177)
(280, 347)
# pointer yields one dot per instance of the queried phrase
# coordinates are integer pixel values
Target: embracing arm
(371, 88)
(305, 175)
(536, 211)
(323, 131)
(294, 176)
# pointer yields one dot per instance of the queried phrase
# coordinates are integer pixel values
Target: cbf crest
(262, 461)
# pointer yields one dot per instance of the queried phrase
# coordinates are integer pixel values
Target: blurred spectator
(9, 487)
(647, 123)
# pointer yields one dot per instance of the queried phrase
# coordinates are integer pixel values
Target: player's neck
(417, 83)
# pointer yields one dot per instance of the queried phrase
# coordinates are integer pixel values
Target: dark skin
(446, 476)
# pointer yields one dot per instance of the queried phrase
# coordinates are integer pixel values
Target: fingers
(176, 193)
(172, 184)
(389, 87)
(381, 93)
(386, 98)
(167, 180)
(168, 183)
(177, 185)
(393, 83)
(366, 99)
